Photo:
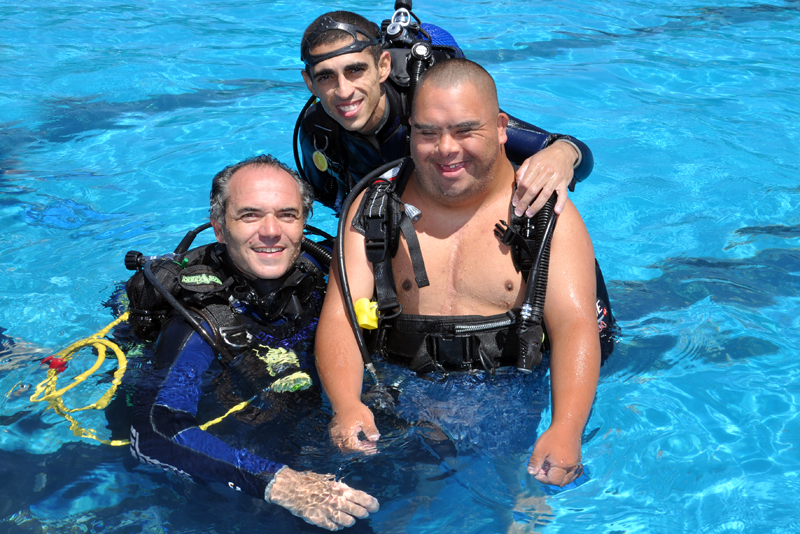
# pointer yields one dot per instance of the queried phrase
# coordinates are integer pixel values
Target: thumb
(370, 430)
(536, 462)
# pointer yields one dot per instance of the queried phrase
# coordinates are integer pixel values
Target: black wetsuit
(188, 384)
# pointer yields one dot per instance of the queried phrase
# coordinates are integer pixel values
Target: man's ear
(309, 82)
(502, 125)
(384, 66)
(219, 233)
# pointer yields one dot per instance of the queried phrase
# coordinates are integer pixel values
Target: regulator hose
(316, 251)
(180, 308)
(342, 269)
(532, 313)
(187, 240)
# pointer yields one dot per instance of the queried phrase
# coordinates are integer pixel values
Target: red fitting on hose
(60, 365)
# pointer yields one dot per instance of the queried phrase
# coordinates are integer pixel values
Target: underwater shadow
(707, 19)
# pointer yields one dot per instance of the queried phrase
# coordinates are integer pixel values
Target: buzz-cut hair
(456, 72)
(335, 36)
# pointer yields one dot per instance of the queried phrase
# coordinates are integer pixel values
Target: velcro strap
(420, 274)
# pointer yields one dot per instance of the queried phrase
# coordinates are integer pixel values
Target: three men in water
(259, 298)
(462, 183)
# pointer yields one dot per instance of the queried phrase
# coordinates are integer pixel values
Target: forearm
(574, 372)
(198, 454)
(164, 428)
(339, 363)
(525, 139)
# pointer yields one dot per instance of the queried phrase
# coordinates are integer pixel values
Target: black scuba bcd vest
(427, 343)
(210, 289)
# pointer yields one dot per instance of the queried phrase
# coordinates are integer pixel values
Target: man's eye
(250, 216)
(288, 216)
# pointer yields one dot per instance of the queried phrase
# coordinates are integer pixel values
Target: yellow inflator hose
(47, 391)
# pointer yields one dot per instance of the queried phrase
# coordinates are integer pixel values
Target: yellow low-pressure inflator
(367, 313)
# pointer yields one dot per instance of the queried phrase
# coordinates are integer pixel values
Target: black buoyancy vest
(426, 343)
(206, 284)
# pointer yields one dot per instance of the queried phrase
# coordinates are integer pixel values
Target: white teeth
(351, 107)
(267, 249)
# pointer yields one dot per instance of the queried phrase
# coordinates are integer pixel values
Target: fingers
(344, 506)
(539, 184)
(321, 500)
(543, 197)
(366, 502)
(345, 430)
(556, 475)
(562, 200)
(370, 430)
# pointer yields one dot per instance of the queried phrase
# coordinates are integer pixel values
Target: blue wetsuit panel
(525, 140)
(164, 430)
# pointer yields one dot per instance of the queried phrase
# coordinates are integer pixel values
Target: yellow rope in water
(46, 390)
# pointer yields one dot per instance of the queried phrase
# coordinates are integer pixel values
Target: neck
(378, 118)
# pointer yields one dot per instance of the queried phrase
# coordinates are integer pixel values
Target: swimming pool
(116, 115)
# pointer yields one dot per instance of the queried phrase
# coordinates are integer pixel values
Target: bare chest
(470, 272)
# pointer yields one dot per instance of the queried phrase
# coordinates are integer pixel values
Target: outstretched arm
(548, 162)
(165, 433)
(339, 362)
(571, 322)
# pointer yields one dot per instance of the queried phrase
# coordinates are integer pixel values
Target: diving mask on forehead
(327, 24)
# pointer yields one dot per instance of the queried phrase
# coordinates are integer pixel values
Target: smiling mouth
(268, 250)
(349, 109)
(451, 167)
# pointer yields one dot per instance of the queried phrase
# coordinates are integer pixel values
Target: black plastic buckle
(375, 239)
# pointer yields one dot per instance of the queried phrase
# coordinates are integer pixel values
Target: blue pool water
(114, 116)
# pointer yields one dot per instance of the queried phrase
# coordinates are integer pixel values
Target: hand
(548, 170)
(320, 499)
(556, 458)
(347, 424)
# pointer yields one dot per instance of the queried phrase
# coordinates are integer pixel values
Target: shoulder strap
(326, 138)
(381, 218)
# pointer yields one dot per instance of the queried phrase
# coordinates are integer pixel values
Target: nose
(447, 145)
(270, 227)
(344, 88)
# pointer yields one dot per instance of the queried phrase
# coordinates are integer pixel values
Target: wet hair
(456, 72)
(334, 36)
(220, 185)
